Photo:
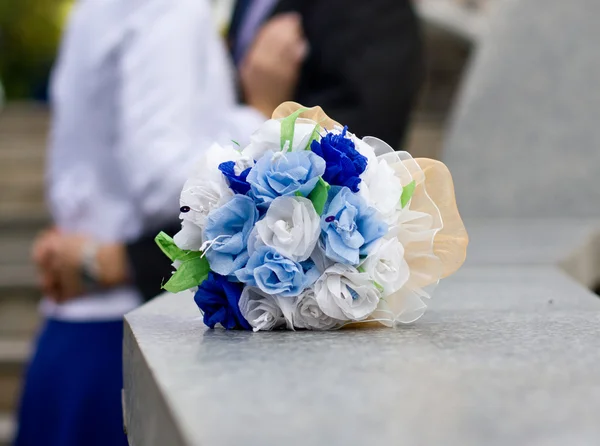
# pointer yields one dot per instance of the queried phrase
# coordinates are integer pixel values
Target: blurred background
(29, 34)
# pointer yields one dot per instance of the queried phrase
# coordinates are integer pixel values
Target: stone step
(15, 249)
(7, 429)
(27, 176)
(33, 154)
(22, 187)
(19, 314)
(15, 125)
(29, 159)
(17, 277)
(23, 217)
(19, 146)
(14, 354)
(25, 118)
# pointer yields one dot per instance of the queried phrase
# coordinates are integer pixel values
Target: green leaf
(288, 127)
(318, 196)
(407, 193)
(316, 136)
(193, 270)
(172, 251)
(190, 273)
(236, 143)
(298, 194)
(167, 245)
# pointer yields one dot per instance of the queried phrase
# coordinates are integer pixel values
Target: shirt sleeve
(162, 78)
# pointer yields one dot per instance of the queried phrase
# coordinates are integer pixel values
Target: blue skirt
(72, 392)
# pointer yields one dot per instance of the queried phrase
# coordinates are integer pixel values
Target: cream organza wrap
(429, 227)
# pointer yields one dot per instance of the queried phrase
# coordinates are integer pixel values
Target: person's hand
(67, 267)
(60, 258)
(43, 254)
(111, 263)
(269, 72)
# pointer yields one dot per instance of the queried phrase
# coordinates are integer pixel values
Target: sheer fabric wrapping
(315, 114)
(429, 227)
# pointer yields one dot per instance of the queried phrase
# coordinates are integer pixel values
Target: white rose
(260, 309)
(268, 137)
(364, 149)
(189, 237)
(242, 163)
(207, 188)
(291, 226)
(386, 266)
(215, 155)
(321, 261)
(200, 195)
(307, 313)
(381, 188)
(344, 293)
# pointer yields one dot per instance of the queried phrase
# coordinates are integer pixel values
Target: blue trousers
(72, 391)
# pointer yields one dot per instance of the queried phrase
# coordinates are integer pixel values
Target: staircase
(23, 129)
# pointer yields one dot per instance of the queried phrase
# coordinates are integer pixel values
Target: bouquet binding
(310, 227)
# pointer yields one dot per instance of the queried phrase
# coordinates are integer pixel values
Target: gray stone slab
(505, 356)
(574, 245)
(524, 139)
(527, 241)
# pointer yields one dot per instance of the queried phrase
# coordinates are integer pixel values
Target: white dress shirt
(140, 89)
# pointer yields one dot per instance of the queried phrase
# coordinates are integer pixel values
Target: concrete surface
(506, 355)
(524, 140)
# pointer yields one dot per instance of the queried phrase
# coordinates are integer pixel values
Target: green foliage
(29, 36)
(193, 270)
(288, 127)
(407, 193)
(319, 195)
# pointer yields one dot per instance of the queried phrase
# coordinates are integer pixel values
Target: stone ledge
(507, 354)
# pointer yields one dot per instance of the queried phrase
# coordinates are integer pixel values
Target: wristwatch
(90, 270)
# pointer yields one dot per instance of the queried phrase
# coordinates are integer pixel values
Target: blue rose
(237, 183)
(276, 274)
(219, 301)
(281, 174)
(349, 226)
(344, 162)
(229, 227)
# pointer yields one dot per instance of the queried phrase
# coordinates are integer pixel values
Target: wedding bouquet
(310, 227)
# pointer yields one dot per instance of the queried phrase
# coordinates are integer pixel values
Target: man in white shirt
(139, 89)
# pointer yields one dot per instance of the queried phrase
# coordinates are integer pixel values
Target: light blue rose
(349, 226)
(229, 227)
(276, 274)
(282, 174)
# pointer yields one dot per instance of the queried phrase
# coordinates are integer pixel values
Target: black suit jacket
(365, 63)
(364, 69)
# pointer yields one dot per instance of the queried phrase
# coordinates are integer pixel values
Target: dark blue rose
(343, 162)
(218, 299)
(237, 183)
